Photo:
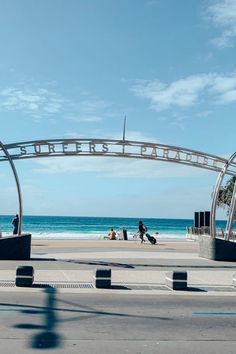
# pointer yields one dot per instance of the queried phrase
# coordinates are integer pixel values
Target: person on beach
(142, 229)
(112, 235)
(15, 223)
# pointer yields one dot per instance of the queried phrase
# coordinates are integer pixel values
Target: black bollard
(24, 276)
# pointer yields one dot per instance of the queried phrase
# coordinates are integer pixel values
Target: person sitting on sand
(112, 235)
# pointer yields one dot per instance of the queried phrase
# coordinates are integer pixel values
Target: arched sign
(122, 149)
(116, 148)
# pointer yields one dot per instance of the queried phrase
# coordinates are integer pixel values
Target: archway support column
(230, 220)
(215, 199)
(8, 156)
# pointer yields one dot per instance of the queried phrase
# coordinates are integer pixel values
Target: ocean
(73, 227)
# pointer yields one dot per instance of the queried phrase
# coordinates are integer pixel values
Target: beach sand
(169, 244)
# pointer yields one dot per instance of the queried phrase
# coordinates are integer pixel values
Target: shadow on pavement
(102, 263)
(119, 287)
(159, 265)
(194, 289)
(48, 338)
(43, 259)
(131, 265)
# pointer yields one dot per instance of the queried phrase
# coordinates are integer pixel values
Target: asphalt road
(101, 323)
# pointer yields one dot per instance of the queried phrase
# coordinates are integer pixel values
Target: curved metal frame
(215, 198)
(230, 220)
(127, 149)
(8, 156)
(117, 148)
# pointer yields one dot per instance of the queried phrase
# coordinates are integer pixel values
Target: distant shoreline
(70, 236)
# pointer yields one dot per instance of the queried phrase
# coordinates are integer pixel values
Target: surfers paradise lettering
(118, 148)
(71, 148)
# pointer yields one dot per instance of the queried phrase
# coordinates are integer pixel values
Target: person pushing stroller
(143, 231)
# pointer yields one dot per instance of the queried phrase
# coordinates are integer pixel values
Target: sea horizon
(88, 227)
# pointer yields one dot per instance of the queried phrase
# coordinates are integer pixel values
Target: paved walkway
(133, 264)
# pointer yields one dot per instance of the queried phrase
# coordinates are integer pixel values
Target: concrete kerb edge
(124, 292)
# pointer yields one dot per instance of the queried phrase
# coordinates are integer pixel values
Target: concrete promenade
(141, 268)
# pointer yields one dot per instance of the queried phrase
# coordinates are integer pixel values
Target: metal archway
(8, 157)
(116, 148)
(125, 149)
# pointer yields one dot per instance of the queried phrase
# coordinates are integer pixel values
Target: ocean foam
(93, 236)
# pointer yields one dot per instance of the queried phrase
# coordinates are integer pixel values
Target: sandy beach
(117, 244)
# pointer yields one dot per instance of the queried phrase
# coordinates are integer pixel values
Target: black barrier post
(123, 234)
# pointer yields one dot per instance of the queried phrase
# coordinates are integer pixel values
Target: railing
(204, 230)
(192, 232)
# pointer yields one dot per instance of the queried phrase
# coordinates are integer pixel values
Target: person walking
(142, 229)
(15, 223)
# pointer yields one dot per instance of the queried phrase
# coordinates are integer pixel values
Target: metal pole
(17, 185)
(214, 202)
(231, 214)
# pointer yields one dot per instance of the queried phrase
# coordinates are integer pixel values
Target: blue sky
(76, 68)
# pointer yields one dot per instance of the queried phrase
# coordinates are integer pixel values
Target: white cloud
(223, 14)
(225, 87)
(186, 92)
(37, 102)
